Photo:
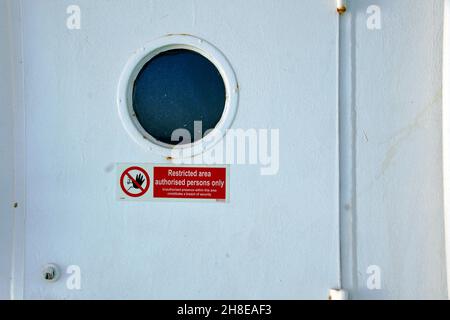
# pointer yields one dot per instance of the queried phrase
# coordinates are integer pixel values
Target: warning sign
(134, 182)
(190, 183)
(146, 182)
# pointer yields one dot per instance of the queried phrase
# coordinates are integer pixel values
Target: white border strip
(446, 133)
(18, 258)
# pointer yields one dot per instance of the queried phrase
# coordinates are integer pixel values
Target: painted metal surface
(6, 151)
(279, 235)
(277, 238)
(396, 98)
(446, 131)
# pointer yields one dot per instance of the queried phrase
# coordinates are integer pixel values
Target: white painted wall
(6, 150)
(269, 242)
(446, 130)
(397, 99)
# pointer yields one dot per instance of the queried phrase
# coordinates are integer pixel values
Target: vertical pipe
(341, 128)
(446, 133)
(339, 145)
(347, 153)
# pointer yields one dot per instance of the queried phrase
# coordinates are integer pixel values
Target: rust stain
(342, 10)
(178, 34)
(405, 133)
(389, 158)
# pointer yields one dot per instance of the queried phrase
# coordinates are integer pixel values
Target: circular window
(178, 89)
(177, 82)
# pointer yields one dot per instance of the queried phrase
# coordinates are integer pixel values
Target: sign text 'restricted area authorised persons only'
(147, 182)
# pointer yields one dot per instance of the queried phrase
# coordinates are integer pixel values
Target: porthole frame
(139, 59)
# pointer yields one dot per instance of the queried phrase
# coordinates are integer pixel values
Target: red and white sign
(190, 183)
(147, 182)
(134, 182)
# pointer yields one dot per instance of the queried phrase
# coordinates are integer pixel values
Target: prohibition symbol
(135, 182)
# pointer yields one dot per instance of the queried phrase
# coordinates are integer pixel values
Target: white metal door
(278, 235)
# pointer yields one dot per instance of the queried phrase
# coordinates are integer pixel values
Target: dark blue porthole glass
(175, 89)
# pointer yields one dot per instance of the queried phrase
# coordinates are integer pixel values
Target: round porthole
(177, 82)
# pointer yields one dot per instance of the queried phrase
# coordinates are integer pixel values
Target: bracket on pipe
(341, 7)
